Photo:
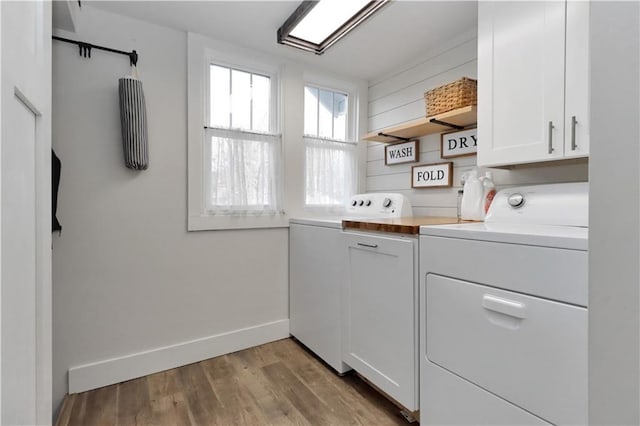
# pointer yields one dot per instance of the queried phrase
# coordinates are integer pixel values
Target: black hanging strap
(56, 166)
(84, 49)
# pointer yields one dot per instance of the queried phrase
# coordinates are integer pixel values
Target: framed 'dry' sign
(459, 143)
(436, 175)
(399, 153)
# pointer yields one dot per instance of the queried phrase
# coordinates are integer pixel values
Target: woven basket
(460, 93)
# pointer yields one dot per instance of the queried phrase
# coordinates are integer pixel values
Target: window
(330, 157)
(239, 99)
(235, 149)
(242, 151)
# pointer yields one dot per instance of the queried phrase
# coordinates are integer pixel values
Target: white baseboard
(107, 372)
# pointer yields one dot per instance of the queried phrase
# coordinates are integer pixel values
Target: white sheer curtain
(330, 172)
(241, 172)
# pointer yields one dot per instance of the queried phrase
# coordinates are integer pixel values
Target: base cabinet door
(316, 272)
(380, 338)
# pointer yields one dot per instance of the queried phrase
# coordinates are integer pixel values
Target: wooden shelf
(414, 129)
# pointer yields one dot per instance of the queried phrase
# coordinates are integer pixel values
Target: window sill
(323, 209)
(221, 223)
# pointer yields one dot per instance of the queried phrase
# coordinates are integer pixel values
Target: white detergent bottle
(473, 197)
(489, 190)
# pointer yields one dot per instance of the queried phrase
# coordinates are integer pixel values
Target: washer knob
(368, 203)
(353, 203)
(386, 202)
(361, 203)
(516, 200)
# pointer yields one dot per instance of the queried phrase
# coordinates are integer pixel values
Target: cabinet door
(520, 82)
(316, 272)
(25, 224)
(380, 338)
(577, 80)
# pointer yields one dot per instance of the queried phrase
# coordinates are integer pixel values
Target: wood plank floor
(279, 383)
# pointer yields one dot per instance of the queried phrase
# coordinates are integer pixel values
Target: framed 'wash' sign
(399, 153)
(436, 175)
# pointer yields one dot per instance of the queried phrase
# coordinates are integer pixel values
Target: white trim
(102, 373)
(1, 208)
(26, 102)
(221, 222)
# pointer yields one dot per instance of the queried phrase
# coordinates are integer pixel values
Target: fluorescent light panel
(316, 25)
(325, 18)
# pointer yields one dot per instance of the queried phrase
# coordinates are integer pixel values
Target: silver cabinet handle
(368, 245)
(508, 307)
(550, 137)
(573, 133)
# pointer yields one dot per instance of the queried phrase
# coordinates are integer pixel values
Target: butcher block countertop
(401, 225)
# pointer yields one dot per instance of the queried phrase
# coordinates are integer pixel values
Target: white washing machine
(503, 312)
(317, 269)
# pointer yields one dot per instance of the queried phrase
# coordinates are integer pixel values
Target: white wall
(131, 286)
(614, 215)
(398, 97)
(127, 276)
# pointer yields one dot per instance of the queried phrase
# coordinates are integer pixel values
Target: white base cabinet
(316, 273)
(380, 313)
(533, 81)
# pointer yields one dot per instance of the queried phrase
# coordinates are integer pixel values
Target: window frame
(213, 58)
(348, 138)
(318, 82)
(202, 52)
(351, 138)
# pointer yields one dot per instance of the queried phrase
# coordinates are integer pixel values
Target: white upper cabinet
(577, 99)
(526, 96)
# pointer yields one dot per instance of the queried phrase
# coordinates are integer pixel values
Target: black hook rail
(84, 49)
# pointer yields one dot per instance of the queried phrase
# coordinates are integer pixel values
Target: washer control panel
(560, 204)
(379, 205)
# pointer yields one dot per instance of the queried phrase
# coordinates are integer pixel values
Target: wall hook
(84, 49)
(133, 58)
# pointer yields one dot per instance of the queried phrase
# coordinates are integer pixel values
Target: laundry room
(405, 212)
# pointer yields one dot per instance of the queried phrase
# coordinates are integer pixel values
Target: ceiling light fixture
(316, 25)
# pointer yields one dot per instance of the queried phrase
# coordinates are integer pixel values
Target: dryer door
(530, 351)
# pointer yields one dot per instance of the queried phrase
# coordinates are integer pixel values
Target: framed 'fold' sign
(432, 175)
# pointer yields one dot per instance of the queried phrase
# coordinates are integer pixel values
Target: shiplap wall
(398, 97)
